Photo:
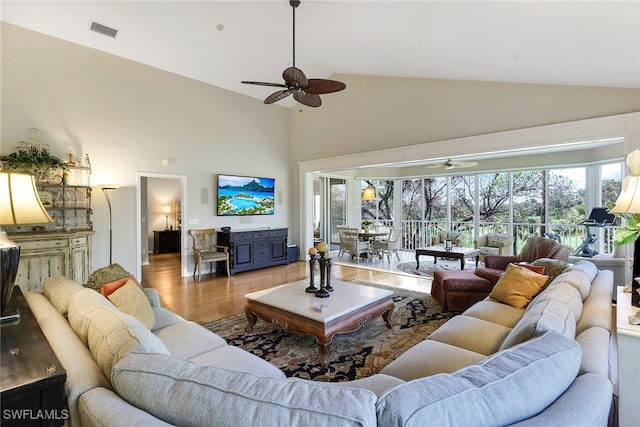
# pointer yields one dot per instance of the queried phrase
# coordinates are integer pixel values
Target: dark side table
(31, 377)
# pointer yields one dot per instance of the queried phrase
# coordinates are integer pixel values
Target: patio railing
(416, 234)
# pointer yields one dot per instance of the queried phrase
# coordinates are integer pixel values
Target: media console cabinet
(253, 249)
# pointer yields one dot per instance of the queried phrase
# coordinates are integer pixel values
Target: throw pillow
(535, 268)
(518, 286)
(109, 288)
(106, 275)
(552, 267)
(130, 299)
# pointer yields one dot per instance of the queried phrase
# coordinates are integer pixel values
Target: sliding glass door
(329, 209)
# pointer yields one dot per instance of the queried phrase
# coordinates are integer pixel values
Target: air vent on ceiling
(103, 29)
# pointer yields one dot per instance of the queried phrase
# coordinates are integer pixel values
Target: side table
(628, 361)
(31, 377)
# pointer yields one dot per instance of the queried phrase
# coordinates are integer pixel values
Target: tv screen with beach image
(245, 195)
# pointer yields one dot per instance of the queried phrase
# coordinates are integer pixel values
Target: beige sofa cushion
(563, 292)
(131, 299)
(158, 384)
(110, 334)
(495, 312)
(188, 339)
(430, 358)
(473, 334)
(548, 315)
(58, 290)
(513, 385)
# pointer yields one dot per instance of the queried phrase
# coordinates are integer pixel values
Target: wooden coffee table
(349, 308)
(453, 253)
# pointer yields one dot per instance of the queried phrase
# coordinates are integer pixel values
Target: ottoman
(457, 290)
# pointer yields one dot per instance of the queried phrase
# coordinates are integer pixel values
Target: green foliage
(33, 160)
(630, 232)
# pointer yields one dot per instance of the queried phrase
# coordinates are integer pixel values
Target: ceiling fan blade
(277, 96)
(308, 99)
(264, 84)
(435, 166)
(320, 86)
(465, 164)
(294, 77)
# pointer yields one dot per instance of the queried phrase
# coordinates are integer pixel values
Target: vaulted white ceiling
(586, 43)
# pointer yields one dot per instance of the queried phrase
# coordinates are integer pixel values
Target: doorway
(160, 201)
(329, 209)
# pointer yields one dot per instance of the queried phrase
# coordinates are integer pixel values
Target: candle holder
(322, 292)
(312, 264)
(327, 267)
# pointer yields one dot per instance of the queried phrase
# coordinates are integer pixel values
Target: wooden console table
(31, 377)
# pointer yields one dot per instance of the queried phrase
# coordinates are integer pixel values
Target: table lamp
(628, 202)
(19, 205)
(166, 209)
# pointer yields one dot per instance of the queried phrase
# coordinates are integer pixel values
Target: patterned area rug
(353, 355)
(428, 267)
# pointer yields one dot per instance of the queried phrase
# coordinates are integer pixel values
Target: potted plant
(37, 161)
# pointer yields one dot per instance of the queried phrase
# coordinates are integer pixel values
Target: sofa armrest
(153, 296)
(499, 262)
(102, 407)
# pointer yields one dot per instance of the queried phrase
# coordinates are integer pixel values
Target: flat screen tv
(245, 195)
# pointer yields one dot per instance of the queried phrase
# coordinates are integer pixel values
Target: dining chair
(349, 243)
(206, 250)
(389, 245)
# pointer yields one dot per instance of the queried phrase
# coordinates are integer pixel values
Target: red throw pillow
(109, 288)
(535, 268)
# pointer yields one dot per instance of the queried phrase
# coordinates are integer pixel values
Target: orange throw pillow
(109, 288)
(535, 268)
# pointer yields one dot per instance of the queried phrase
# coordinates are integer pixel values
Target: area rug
(428, 267)
(353, 355)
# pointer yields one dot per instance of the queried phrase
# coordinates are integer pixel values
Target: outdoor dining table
(370, 236)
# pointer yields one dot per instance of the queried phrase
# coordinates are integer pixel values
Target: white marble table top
(346, 298)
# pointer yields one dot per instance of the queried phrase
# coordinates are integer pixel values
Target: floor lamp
(105, 190)
(21, 205)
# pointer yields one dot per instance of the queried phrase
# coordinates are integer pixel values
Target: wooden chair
(205, 250)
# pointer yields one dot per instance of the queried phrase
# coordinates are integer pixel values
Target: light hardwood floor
(218, 296)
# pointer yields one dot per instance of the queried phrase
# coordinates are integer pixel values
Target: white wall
(129, 117)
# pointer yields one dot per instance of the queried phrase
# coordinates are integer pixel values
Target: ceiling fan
(450, 164)
(305, 91)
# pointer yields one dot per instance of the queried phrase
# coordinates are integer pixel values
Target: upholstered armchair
(494, 244)
(439, 238)
(534, 248)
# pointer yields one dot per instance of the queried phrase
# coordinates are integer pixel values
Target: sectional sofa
(495, 364)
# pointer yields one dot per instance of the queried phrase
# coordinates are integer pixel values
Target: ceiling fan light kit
(305, 91)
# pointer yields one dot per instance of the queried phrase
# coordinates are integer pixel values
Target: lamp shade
(629, 199)
(166, 209)
(19, 201)
(368, 193)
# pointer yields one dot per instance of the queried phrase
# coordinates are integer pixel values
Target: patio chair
(349, 243)
(494, 244)
(388, 245)
(439, 238)
(205, 250)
